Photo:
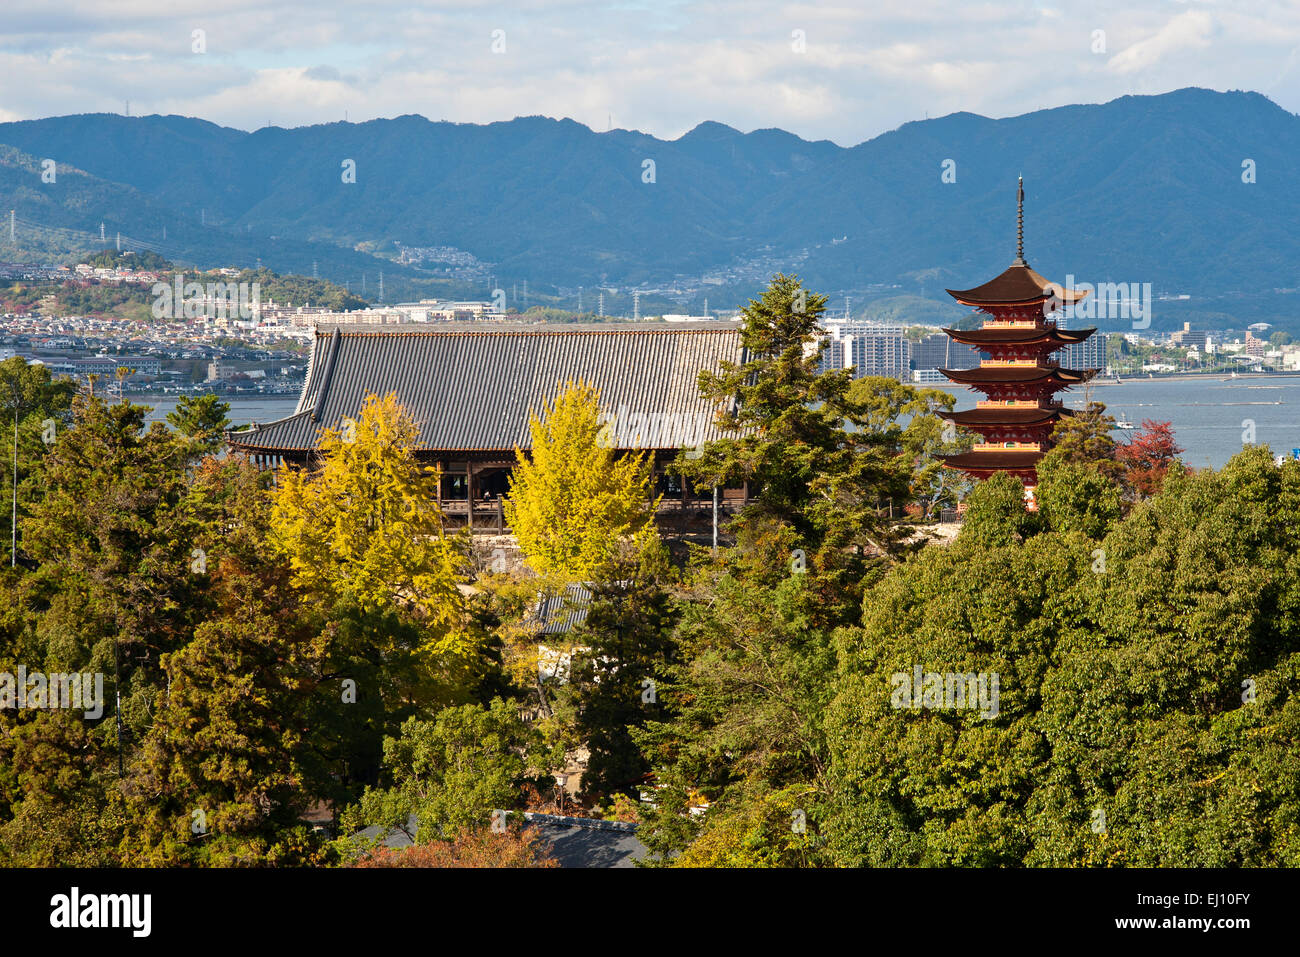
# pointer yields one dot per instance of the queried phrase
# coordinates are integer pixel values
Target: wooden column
(715, 519)
(437, 495)
(469, 495)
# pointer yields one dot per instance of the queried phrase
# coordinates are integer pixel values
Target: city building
(1019, 380)
(104, 366)
(869, 348)
(1188, 337)
(441, 310)
(1090, 353)
(832, 355)
(271, 315)
(940, 351)
(218, 372)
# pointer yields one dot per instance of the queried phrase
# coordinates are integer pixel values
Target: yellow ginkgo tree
(365, 528)
(575, 503)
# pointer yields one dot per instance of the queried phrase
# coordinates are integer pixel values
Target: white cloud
(1190, 30)
(661, 67)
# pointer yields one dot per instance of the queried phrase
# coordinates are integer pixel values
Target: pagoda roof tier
(1018, 285)
(1013, 336)
(1016, 375)
(1001, 461)
(974, 418)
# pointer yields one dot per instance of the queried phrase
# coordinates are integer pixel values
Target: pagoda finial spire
(1020, 224)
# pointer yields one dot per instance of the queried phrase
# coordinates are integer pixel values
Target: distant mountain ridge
(1140, 189)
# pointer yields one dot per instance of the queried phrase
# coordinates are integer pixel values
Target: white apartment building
(871, 348)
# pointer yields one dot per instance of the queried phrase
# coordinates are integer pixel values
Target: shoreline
(1193, 376)
(224, 395)
(1099, 381)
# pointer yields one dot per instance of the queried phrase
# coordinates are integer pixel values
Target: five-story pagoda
(1018, 378)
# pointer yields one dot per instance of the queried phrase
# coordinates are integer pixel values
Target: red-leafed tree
(1148, 456)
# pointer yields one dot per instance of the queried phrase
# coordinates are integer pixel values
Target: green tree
(449, 774)
(33, 408)
(747, 684)
(935, 785)
(142, 259)
(223, 778)
(767, 829)
(887, 403)
(1085, 438)
(623, 647)
(1146, 714)
(303, 290)
(996, 513)
(114, 544)
(746, 689)
(1077, 498)
(819, 461)
(201, 419)
(112, 588)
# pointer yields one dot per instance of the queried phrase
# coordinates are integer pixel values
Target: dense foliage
(296, 667)
(1147, 713)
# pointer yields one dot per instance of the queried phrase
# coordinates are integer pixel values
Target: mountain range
(1194, 191)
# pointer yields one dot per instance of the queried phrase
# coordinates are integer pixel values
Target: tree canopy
(574, 501)
(294, 666)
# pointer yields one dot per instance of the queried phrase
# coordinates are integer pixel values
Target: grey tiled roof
(574, 842)
(560, 614)
(471, 386)
(588, 847)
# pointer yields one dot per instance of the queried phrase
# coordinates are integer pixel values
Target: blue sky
(844, 71)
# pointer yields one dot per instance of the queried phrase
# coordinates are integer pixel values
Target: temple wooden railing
(488, 515)
(486, 483)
